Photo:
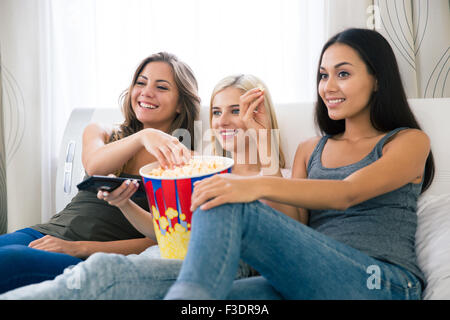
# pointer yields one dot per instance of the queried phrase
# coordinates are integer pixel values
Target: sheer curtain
(89, 50)
(3, 192)
(97, 44)
(419, 31)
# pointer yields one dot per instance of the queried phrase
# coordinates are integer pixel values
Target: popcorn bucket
(169, 198)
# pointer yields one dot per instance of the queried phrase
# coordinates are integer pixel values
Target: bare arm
(125, 247)
(141, 219)
(83, 249)
(288, 210)
(402, 162)
(102, 158)
(300, 169)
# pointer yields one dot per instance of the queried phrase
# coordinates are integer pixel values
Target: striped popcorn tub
(169, 195)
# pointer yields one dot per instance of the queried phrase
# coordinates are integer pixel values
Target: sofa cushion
(433, 244)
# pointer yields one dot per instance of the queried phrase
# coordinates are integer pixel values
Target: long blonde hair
(246, 82)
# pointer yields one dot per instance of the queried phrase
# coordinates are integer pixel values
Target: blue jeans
(21, 265)
(295, 261)
(112, 277)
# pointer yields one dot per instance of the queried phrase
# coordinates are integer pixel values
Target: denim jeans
(295, 261)
(112, 276)
(21, 265)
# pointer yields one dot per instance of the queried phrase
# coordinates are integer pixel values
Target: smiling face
(345, 84)
(154, 96)
(225, 120)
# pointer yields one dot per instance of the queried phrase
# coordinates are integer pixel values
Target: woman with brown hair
(161, 98)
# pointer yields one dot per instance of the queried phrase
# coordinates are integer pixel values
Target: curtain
(100, 43)
(19, 42)
(3, 193)
(418, 31)
(67, 54)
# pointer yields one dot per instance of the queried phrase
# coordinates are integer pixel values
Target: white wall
(20, 66)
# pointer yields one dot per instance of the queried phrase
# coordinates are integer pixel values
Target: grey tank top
(383, 227)
(87, 218)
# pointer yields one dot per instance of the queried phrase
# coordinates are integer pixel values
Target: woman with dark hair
(389, 108)
(162, 97)
(358, 186)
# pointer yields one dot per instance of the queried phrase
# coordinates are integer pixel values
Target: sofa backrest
(296, 123)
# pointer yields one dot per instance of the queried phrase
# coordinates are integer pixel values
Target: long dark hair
(389, 108)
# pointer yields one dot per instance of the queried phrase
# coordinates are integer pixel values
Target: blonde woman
(245, 127)
(162, 97)
(238, 104)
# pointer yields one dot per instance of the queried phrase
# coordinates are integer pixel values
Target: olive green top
(87, 218)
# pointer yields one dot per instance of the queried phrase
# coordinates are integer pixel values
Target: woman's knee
(100, 270)
(218, 217)
(106, 264)
(113, 276)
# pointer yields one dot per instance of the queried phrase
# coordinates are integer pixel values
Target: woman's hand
(254, 114)
(53, 244)
(252, 110)
(167, 149)
(223, 188)
(120, 196)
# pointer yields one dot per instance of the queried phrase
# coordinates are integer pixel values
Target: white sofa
(296, 124)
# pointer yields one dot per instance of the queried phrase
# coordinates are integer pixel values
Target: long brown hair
(188, 99)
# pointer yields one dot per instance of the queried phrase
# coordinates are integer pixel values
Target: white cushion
(432, 115)
(433, 244)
